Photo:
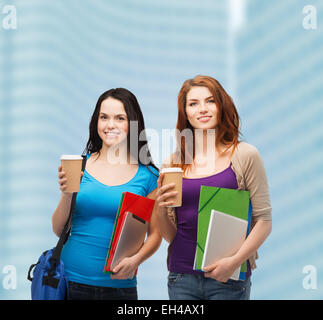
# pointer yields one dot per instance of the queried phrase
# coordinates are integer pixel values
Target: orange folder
(140, 206)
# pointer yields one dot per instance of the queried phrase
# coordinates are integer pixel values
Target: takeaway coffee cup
(72, 166)
(174, 175)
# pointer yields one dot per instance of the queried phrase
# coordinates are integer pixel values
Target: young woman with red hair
(212, 155)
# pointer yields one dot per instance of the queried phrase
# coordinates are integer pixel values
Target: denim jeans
(183, 286)
(78, 291)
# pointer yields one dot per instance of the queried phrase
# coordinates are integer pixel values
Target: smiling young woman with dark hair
(134, 115)
(97, 201)
(206, 109)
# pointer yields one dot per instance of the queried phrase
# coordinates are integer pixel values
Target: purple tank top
(182, 252)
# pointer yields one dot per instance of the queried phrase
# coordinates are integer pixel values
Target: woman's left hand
(222, 270)
(125, 269)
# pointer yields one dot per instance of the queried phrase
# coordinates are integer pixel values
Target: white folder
(225, 236)
(132, 237)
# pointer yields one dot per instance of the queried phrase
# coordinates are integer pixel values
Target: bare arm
(255, 239)
(61, 213)
(153, 240)
(223, 269)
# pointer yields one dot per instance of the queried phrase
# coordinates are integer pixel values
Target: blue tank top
(85, 252)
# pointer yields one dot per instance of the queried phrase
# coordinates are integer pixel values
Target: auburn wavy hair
(228, 122)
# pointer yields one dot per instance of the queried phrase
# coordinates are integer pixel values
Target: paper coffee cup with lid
(72, 166)
(174, 175)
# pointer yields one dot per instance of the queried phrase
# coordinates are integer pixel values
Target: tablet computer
(225, 236)
(132, 237)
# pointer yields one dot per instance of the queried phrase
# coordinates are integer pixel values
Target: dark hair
(133, 112)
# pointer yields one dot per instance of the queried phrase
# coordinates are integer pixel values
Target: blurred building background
(63, 55)
(280, 80)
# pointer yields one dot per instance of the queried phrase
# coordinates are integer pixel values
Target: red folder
(140, 206)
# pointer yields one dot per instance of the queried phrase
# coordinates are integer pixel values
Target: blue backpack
(49, 281)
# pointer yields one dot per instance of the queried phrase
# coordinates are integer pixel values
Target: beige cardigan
(250, 173)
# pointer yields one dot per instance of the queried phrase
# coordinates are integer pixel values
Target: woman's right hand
(164, 194)
(62, 180)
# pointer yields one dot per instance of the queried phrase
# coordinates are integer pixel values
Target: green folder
(230, 201)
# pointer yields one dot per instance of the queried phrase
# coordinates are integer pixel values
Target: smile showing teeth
(111, 134)
(204, 118)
